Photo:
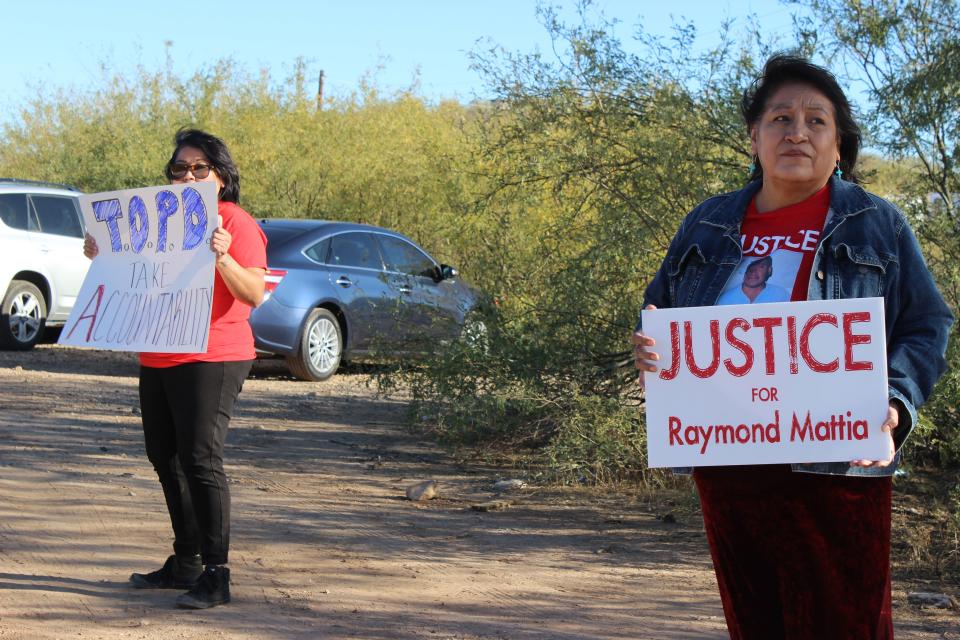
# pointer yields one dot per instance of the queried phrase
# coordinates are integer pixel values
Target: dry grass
(926, 528)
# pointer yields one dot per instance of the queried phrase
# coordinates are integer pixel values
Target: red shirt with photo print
(788, 235)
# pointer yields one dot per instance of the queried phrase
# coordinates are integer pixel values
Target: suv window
(318, 252)
(57, 215)
(354, 250)
(14, 211)
(402, 256)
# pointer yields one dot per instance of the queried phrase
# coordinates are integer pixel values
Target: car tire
(321, 347)
(23, 316)
(475, 333)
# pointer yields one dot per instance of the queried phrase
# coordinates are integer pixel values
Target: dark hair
(765, 259)
(782, 69)
(218, 155)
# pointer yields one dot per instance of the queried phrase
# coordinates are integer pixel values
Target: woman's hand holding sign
(893, 419)
(643, 358)
(245, 283)
(647, 360)
(90, 248)
(220, 241)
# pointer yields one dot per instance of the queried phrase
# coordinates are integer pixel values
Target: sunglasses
(179, 169)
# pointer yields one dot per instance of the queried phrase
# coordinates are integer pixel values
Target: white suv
(41, 258)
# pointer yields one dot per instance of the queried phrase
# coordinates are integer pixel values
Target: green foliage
(592, 159)
(394, 161)
(884, 177)
(598, 439)
(558, 197)
(590, 163)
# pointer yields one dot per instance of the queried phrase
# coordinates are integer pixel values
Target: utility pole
(320, 91)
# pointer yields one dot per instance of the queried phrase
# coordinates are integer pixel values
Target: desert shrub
(558, 197)
(591, 159)
(589, 163)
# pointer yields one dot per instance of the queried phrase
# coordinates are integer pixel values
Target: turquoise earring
(838, 172)
(753, 166)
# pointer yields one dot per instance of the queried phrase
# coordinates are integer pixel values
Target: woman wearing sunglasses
(186, 399)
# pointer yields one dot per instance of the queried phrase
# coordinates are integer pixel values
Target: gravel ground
(324, 544)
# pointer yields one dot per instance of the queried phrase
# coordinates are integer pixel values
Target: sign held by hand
(150, 288)
(771, 383)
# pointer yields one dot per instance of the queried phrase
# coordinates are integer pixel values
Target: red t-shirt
(778, 251)
(230, 338)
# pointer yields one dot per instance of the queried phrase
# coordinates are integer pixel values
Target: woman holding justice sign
(803, 551)
(187, 399)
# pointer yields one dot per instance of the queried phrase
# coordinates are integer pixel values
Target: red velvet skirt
(799, 555)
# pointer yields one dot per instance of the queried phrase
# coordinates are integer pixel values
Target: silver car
(41, 258)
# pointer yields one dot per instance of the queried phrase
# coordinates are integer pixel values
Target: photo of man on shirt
(755, 285)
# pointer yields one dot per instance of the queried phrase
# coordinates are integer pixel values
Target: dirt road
(324, 545)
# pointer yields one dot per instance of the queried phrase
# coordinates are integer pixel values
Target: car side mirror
(446, 271)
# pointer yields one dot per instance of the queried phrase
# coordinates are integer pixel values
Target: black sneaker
(212, 588)
(178, 572)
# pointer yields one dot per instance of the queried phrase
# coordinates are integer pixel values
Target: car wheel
(23, 316)
(321, 347)
(475, 333)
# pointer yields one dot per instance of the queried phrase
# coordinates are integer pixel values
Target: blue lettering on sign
(108, 211)
(139, 223)
(194, 218)
(167, 205)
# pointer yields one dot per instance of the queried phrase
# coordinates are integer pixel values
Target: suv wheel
(23, 316)
(320, 347)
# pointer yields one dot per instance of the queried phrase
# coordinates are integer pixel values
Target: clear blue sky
(50, 44)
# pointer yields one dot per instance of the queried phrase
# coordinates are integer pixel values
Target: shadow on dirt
(53, 358)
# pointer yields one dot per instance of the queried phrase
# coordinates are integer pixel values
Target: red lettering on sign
(814, 364)
(95, 300)
(767, 324)
(671, 373)
(714, 345)
(740, 345)
(792, 343)
(735, 334)
(850, 339)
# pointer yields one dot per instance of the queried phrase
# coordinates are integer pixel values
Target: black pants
(186, 410)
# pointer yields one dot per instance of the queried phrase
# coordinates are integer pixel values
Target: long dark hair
(782, 69)
(218, 155)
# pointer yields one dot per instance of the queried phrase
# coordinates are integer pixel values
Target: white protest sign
(770, 383)
(150, 288)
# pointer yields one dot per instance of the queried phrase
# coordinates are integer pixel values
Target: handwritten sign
(150, 288)
(764, 384)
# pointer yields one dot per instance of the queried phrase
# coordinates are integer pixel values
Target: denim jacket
(866, 249)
